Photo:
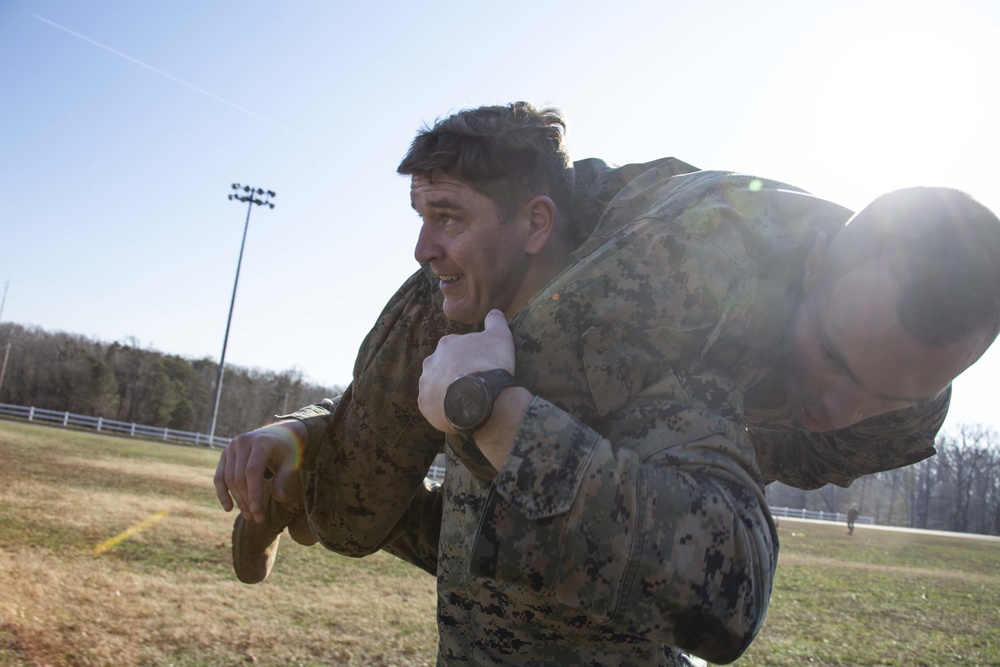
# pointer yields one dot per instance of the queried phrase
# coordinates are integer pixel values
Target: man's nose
(427, 248)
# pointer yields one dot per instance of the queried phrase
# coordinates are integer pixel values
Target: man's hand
(458, 355)
(242, 466)
(462, 354)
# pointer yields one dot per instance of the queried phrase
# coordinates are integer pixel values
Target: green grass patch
(880, 597)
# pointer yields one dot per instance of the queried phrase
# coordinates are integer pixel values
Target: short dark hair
(508, 153)
(945, 246)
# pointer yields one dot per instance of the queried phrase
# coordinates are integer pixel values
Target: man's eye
(447, 220)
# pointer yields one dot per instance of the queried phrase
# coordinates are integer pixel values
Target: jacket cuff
(316, 419)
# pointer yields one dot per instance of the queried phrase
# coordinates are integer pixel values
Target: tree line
(957, 490)
(127, 382)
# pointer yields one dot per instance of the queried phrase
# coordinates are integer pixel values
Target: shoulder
(596, 183)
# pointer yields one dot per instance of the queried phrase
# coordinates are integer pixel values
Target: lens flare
(129, 532)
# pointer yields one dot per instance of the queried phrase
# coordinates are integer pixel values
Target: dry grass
(167, 595)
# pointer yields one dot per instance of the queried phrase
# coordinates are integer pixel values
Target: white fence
(34, 414)
(820, 515)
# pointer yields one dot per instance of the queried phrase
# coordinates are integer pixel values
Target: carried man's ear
(541, 213)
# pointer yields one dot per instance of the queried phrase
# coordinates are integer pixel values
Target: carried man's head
(493, 186)
(895, 307)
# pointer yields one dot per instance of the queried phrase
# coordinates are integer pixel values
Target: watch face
(466, 403)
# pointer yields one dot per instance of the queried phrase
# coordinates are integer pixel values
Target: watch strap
(495, 381)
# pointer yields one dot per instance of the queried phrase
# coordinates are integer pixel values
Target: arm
(361, 456)
(415, 538)
(805, 460)
(659, 530)
(364, 461)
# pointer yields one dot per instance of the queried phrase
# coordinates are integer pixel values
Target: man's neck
(543, 270)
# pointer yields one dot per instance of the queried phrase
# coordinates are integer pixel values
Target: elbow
(345, 529)
(720, 640)
(349, 550)
(354, 539)
(347, 544)
(721, 628)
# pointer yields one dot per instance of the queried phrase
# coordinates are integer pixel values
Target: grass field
(166, 595)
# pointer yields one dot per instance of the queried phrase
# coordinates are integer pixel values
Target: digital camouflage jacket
(629, 516)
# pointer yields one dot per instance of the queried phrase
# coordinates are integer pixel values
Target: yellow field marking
(129, 532)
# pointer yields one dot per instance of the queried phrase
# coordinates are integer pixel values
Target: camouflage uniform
(788, 454)
(629, 516)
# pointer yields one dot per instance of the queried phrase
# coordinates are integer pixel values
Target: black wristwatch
(468, 403)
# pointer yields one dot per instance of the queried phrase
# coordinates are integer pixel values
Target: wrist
(496, 437)
(294, 433)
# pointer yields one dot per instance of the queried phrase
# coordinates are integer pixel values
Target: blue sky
(124, 123)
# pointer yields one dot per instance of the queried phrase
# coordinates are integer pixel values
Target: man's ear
(541, 214)
(815, 262)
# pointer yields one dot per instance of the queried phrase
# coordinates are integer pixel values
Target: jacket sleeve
(811, 460)
(316, 419)
(415, 537)
(658, 527)
(367, 452)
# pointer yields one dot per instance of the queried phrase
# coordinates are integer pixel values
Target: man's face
(851, 359)
(481, 264)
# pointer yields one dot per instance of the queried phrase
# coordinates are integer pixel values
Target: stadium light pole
(251, 196)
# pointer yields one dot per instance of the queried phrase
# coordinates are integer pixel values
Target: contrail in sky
(164, 74)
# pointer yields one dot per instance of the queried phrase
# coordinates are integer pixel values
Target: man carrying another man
(610, 503)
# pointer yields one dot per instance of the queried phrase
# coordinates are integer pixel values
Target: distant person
(767, 313)
(852, 516)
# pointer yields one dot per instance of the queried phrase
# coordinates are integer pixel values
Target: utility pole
(251, 196)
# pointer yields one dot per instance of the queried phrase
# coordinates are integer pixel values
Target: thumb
(494, 320)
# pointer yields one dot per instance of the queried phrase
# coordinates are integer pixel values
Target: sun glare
(880, 97)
